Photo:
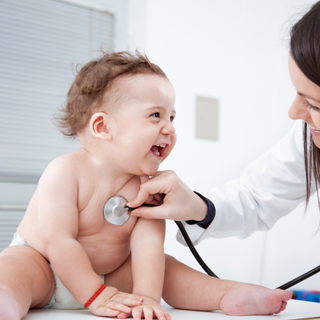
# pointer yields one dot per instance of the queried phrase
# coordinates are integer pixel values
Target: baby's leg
(26, 281)
(186, 288)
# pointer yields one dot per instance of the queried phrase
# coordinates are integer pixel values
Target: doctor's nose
(298, 109)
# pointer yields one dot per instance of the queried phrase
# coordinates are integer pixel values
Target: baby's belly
(106, 255)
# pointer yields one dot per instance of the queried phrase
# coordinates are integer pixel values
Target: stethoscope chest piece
(115, 211)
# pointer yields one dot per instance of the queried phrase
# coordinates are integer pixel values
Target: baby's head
(93, 83)
(122, 105)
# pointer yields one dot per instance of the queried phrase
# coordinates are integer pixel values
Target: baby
(65, 255)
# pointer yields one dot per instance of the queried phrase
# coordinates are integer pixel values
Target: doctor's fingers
(159, 212)
(163, 182)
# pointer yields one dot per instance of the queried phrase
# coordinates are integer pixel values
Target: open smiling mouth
(157, 150)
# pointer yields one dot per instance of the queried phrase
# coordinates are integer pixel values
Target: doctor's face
(306, 105)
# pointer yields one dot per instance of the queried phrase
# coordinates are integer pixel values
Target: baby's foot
(9, 309)
(247, 299)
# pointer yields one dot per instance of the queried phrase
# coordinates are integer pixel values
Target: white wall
(235, 51)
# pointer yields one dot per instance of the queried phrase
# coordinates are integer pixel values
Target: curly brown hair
(93, 80)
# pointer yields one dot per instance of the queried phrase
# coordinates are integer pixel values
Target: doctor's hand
(179, 202)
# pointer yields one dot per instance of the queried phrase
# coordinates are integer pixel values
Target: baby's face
(142, 128)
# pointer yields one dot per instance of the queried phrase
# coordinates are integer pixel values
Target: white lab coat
(270, 188)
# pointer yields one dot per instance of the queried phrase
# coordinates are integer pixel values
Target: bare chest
(92, 204)
(100, 239)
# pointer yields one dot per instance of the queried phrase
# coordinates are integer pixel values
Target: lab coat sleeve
(270, 188)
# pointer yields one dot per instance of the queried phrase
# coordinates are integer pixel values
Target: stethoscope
(116, 212)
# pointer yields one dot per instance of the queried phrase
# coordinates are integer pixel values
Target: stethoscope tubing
(209, 271)
(300, 278)
(188, 242)
(193, 249)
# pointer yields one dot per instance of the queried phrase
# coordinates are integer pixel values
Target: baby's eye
(311, 106)
(156, 115)
(171, 118)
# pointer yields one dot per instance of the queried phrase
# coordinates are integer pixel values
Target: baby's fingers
(130, 300)
(105, 312)
(148, 313)
(118, 307)
(162, 314)
(123, 315)
(137, 313)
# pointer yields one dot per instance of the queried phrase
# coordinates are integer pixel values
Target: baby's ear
(99, 126)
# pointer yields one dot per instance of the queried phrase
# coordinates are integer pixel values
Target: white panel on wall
(207, 118)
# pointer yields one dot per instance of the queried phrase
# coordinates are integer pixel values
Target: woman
(274, 184)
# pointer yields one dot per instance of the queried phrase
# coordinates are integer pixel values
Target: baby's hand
(111, 303)
(149, 309)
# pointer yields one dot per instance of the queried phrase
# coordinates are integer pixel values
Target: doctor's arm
(271, 187)
(180, 203)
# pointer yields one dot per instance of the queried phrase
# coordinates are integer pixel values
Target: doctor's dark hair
(305, 51)
(93, 80)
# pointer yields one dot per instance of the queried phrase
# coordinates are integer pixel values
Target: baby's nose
(168, 129)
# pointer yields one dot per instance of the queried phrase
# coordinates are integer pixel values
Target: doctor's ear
(99, 126)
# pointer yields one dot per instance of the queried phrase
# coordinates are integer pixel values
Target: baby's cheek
(167, 150)
(173, 141)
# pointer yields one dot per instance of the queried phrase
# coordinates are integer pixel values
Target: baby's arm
(148, 267)
(58, 224)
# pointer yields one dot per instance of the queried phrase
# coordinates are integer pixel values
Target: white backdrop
(235, 51)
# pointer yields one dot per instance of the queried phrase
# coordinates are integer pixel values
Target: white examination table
(295, 310)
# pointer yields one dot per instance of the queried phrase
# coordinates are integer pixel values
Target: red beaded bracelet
(95, 296)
